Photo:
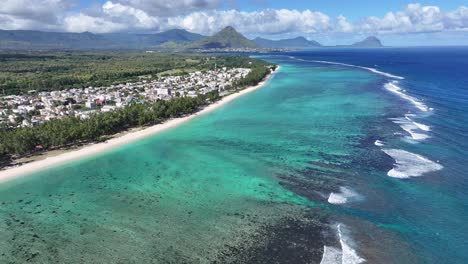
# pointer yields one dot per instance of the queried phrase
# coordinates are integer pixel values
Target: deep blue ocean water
(428, 213)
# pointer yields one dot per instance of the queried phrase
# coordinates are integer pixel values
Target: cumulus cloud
(203, 16)
(416, 19)
(172, 7)
(268, 21)
(19, 14)
(111, 17)
(342, 25)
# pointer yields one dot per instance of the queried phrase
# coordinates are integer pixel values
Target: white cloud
(342, 24)
(82, 22)
(202, 16)
(110, 18)
(268, 21)
(33, 13)
(166, 8)
(416, 19)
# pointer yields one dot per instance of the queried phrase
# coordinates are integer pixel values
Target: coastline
(12, 173)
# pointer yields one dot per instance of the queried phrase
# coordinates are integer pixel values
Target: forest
(49, 71)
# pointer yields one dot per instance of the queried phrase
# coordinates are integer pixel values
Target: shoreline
(11, 173)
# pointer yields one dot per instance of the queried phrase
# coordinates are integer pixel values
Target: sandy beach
(75, 154)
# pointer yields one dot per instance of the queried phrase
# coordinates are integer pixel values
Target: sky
(395, 22)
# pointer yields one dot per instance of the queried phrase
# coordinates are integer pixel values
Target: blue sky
(396, 22)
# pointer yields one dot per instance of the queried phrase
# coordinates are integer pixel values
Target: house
(90, 104)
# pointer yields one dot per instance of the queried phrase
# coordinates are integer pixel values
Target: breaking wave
(392, 87)
(331, 255)
(416, 130)
(344, 196)
(350, 255)
(386, 74)
(408, 164)
(345, 255)
(379, 143)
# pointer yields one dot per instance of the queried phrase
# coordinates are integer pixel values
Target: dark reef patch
(293, 241)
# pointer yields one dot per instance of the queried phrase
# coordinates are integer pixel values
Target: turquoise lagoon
(249, 182)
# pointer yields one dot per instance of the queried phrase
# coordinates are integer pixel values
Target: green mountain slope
(226, 38)
(34, 40)
(299, 42)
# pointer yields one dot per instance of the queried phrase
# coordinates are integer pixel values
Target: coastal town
(36, 107)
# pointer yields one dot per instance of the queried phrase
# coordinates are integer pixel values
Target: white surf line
(386, 74)
(345, 255)
(349, 255)
(392, 87)
(413, 128)
(379, 143)
(344, 196)
(331, 255)
(419, 125)
(408, 164)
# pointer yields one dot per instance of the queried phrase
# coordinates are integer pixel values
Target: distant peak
(300, 38)
(229, 28)
(370, 41)
(177, 30)
(372, 38)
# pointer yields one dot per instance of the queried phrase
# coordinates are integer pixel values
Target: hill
(37, 40)
(226, 38)
(369, 42)
(299, 42)
(29, 39)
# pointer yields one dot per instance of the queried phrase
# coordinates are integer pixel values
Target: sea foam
(344, 196)
(391, 86)
(408, 164)
(349, 255)
(379, 143)
(331, 255)
(386, 74)
(394, 88)
(419, 125)
(416, 130)
(345, 255)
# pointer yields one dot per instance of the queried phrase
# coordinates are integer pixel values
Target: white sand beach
(11, 173)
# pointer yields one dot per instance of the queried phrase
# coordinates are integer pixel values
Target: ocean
(345, 156)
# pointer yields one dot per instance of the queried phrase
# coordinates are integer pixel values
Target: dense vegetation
(39, 40)
(226, 38)
(71, 131)
(58, 71)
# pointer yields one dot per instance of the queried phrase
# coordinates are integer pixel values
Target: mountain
(369, 42)
(29, 39)
(171, 39)
(299, 42)
(141, 41)
(179, 36)
(34, 40)
(226, 38)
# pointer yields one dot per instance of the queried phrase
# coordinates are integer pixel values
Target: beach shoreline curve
(11, 173)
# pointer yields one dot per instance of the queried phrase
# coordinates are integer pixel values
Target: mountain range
(299, 42)
(36, 40)
(171, 39)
